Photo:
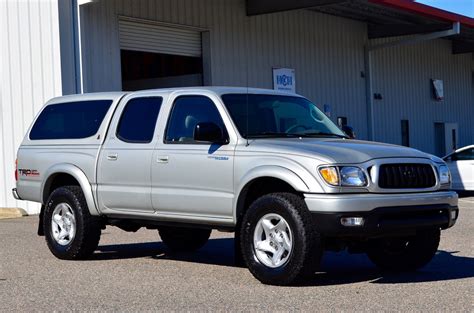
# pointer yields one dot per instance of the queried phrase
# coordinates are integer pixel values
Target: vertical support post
(76, 25)
(369, 93)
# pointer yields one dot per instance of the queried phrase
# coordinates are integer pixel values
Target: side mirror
(349, 131)
(209, 132)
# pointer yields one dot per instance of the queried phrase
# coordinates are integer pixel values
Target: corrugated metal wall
(325, 51)
(403, 76)
(30, 74)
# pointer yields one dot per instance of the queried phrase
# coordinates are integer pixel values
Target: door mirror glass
(349, 131)
(209, 132)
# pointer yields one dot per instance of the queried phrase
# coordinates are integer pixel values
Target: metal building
(377, 65)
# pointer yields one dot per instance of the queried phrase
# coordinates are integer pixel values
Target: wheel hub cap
(272, 240)
(63, 224)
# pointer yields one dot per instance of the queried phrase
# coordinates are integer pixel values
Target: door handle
(112, 157)
(162, 159)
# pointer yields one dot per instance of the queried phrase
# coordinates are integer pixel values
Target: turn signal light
(16, 170)
(330, 175)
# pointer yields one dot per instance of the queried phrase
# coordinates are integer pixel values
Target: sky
(463, 7)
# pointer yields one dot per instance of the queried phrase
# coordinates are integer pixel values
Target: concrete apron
(12, 213)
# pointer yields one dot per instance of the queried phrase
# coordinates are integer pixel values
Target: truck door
(193, 179)
(123, 175)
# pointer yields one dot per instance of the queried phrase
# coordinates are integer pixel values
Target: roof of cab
(89, 96)
(220, 90)
(217, 90)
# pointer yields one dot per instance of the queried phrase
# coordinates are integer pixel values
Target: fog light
(352, 221)
(454, 214)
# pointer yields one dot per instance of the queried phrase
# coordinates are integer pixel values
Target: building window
(405, 133)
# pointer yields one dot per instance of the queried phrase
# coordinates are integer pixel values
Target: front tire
(181, 239)
(71, 232)
(279, 243)
(404, 254)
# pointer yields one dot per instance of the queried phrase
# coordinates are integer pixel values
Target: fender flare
(273, 171)
(78, 174)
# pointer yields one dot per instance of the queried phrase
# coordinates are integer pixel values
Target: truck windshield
(261, 116)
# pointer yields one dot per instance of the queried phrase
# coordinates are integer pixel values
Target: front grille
(406, 176)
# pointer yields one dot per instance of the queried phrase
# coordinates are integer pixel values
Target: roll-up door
(149, 37)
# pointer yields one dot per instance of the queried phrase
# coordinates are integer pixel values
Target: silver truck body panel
(75, 157)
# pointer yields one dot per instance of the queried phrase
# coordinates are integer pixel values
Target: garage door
(149, 37)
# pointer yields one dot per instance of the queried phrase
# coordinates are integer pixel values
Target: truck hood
(332, 150)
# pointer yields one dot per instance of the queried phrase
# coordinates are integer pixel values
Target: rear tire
(71, 232)
(404, 254)
(280, 245)
(181, 239)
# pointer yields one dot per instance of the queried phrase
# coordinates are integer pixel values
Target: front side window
(465, 155)
(71, 120)
(278, 116)
(187, 112)
(138, 120)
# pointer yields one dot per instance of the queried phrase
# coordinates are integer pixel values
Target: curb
(12, 213)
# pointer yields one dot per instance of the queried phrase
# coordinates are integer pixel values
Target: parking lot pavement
(132, 271)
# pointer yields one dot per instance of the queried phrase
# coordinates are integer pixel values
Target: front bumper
(383, 214)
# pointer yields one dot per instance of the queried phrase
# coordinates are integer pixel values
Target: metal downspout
(76, 25)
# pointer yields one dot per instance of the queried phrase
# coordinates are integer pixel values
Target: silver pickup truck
(268, 166)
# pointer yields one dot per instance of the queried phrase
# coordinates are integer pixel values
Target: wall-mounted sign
(438, 89)
(284, 80)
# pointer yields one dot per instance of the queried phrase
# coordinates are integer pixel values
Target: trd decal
(28, 172)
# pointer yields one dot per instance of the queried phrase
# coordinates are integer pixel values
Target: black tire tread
(88, 227)
(311, 245)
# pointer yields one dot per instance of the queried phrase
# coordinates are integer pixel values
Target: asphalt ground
(134, 272)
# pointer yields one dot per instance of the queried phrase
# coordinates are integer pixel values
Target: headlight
(346, 176)
(352, 176)
(444, 175)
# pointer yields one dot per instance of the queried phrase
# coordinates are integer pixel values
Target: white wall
(30, 74)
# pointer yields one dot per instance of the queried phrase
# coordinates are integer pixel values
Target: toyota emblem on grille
(408, 174)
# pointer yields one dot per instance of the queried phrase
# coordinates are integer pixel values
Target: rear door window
(71, 120)
(138, 120)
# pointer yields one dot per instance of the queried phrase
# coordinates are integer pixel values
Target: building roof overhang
(385, 18)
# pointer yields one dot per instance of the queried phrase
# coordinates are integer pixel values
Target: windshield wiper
(292, 135)
(274, 135)
(321, 134)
